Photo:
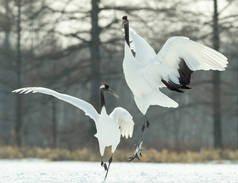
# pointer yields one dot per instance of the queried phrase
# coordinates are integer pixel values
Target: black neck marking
(102, 99)
(127, 38)
(126, 29)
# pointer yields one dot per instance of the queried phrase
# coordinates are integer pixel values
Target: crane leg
(103, 164)
(109, 163)
(138, 152)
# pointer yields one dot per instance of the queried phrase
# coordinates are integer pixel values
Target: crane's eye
(106, 86)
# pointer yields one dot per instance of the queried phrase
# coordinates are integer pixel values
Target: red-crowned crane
(146, 72)
(110, 128)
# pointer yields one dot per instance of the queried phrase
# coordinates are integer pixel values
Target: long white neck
(103, 110)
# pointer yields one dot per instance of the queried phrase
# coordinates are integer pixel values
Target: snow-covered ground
(35, 171)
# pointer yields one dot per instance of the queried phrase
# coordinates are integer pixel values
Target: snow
(36, 171)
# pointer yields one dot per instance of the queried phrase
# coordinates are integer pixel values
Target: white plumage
(109, 127)
(125, 121)
(172, 66)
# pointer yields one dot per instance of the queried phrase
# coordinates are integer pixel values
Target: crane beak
(112, 93)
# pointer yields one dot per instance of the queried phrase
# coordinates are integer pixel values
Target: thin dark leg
(110, 160)
(138, 151)
(102, 161)
(147, 122)
(104, 165)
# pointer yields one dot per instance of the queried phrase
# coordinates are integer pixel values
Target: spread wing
(180, 56)
(195, 55)
(124, 120)
(143, 51)
(81, 104)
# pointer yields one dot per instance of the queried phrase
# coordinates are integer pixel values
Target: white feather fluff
(124, 120)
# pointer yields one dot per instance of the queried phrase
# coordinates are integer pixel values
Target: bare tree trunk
(216, 84)
(54, 125)
(18, 124)
(7, 32)
(95, 61)
(177, 125)
(237, 110)
(95, 53)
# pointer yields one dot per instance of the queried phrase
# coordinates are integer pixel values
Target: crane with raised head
(146, 72)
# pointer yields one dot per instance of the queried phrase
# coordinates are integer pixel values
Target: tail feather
(154, 98)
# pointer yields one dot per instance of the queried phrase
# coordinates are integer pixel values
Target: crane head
(104, 85)
(124, 17)
(124, 20)
(105, 88)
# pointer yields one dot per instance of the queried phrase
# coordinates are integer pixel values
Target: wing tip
(23, 90)
(19, 90)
